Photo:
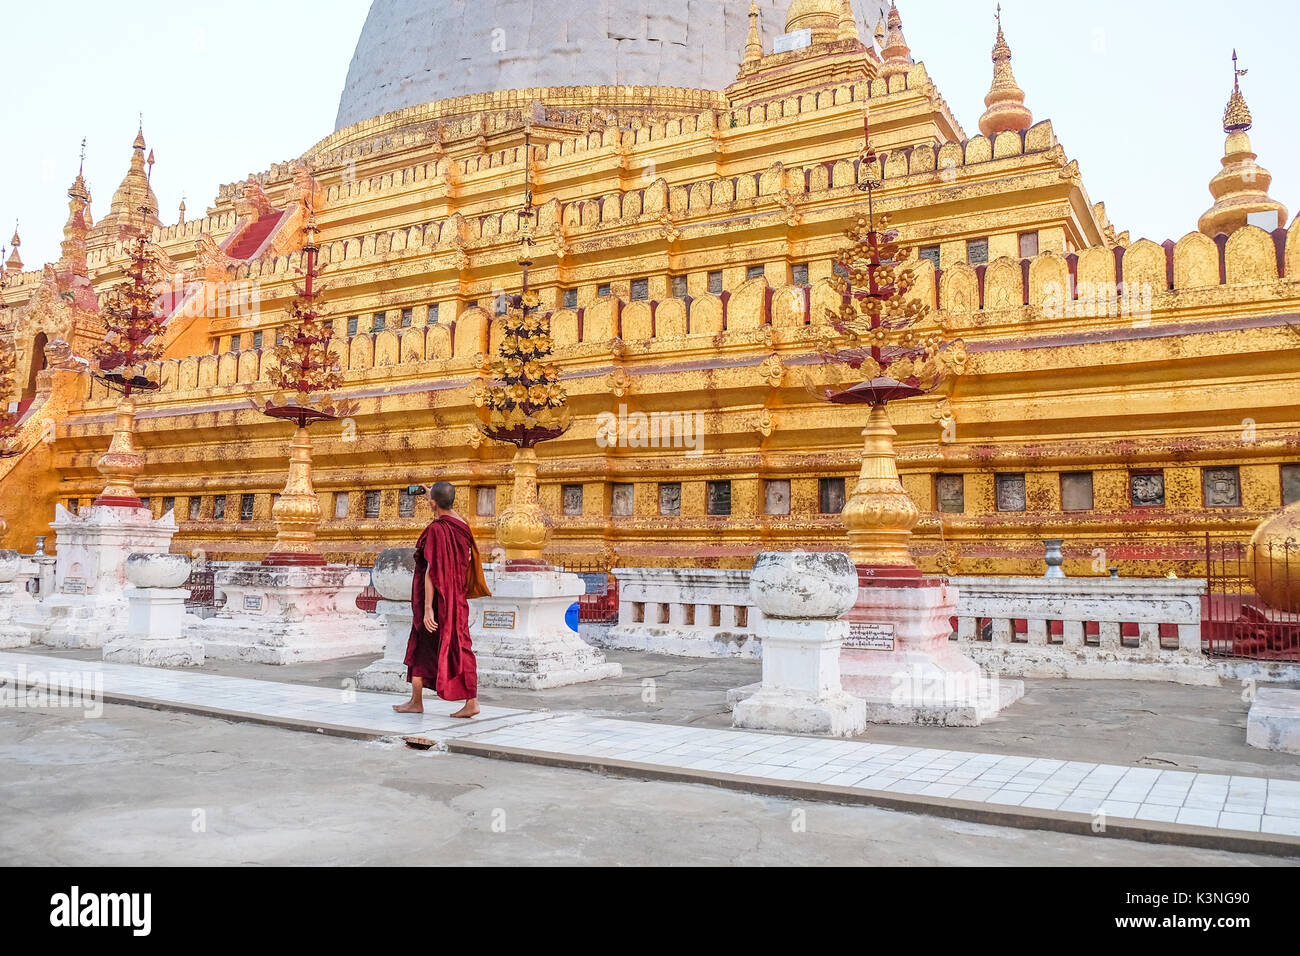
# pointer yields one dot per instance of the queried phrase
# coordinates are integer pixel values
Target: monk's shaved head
(443, 494)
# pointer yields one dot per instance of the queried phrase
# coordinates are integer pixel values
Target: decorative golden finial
(1005, 100)
(1240, 189)
(181, 221)
(754, 44)
(1236, 116)
(895, 55)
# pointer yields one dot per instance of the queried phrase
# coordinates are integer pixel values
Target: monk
(448, 573)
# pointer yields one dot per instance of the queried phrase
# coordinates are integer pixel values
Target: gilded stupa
(1240, 189)
(1005, 99)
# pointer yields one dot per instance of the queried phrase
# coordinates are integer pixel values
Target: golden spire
(15, 262)
(181, 220)
(75, 229)
(1240, 188)
(754, 44)
(134, 193)
(1005, 100)
(848, 23)
(895, 56)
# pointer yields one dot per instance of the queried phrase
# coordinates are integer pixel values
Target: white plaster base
(76, 620)
(174, 652)
(389, 672)
(925, 678)
(682, 641)
(14, 601)
(155, 625)
(1274, 720)
(520, 636)
(776, 708)
(288, 615)
(1090, 663)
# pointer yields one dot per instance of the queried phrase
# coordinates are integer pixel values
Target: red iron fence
(600, 604)
(1237, 621)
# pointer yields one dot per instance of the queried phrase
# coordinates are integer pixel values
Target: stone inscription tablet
(499, 619)
(870, 636)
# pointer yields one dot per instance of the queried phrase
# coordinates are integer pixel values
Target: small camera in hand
(418, 491)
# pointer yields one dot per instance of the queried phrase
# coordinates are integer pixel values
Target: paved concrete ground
(1139, 723)
(149, 787)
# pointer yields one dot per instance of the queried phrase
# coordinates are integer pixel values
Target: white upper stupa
(419, 51)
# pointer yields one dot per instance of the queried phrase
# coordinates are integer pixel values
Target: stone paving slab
(1223, 811)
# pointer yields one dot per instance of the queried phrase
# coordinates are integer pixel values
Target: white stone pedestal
(87, 606)
(155, 631)
(898, 658)
(389, 672)
(1274, 720)
(520, 636)
(801, 689)
(287, 615)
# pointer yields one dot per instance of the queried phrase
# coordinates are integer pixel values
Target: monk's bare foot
(410, 707)
(469, 710)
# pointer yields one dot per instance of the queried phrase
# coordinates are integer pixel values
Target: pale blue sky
(1136, 91)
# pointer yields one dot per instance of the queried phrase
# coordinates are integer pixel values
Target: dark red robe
(445, 658)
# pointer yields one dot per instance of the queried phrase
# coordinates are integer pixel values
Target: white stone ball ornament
(158, 570)
(393, 572)
(10, 562)
(804, 584)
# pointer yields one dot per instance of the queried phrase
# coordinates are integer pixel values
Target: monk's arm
(428, 601)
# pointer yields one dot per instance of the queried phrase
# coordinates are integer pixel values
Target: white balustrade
(689, 612)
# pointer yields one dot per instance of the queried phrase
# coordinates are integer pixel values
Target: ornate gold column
(522, 528)
(297, 513)
(880, 515)
(123, 462)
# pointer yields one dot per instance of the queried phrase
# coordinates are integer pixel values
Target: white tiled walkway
(1236, 803)
(1255, 804)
